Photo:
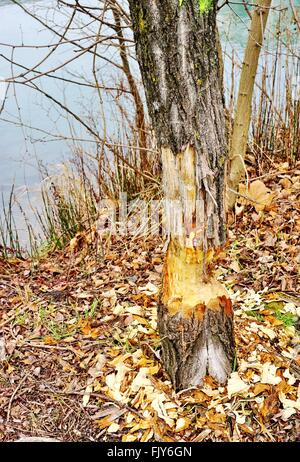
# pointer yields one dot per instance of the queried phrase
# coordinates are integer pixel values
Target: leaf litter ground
(80, 353)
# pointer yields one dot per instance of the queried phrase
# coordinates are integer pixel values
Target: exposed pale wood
(195, 319)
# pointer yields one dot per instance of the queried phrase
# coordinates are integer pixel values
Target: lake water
(45, 126)
(32, 128)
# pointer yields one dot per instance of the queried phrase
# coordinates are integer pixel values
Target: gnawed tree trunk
(178, 56)
(242, 118)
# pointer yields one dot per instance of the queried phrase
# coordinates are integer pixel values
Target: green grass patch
(288, 319)
(255, 314)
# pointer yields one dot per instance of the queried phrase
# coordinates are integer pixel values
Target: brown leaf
(269, 407)
(259, 195)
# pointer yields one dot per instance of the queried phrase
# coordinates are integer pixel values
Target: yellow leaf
(182, 424)
(149, 289)
(246, 429)
(105, 422)
(48, 340)
(259, 195)
(260, 388)
(128, 438)
(147, 435)
(215, 417)
(87, 394)
(119, 359)
(269, 332)
(154, 369)
(289, 403)
(114, 382)
(73, 243)
(236, 385)
(159, 406)
(286, 183)
(113, 428)
(10, 369)
(141, 380)
(134, 309)
(141, 425)
(268, 375)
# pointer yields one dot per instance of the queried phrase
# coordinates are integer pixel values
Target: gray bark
(178, 55)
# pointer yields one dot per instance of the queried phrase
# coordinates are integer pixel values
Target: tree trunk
(139, 107)
(238, 143)
(178, 56)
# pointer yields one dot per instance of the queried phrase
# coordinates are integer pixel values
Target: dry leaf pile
(80, 353)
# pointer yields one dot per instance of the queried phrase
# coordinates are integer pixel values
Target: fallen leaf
(289, 403)
(259, 195)
(269, 332)
(113, 428)
(290, 377)
(113, 414)
(269, 407)
(149, 289)
(2, 349)
(182, 424)
(236, 385)
(141, 380)
(159, 406)
(114, 381)
(285, 414)
(87, 395)
(268, 375)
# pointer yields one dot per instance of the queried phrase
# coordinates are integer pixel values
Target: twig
(242, 195)
(96, 395)
(14, 394)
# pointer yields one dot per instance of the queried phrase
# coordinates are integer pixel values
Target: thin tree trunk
(178, 56)
(139, 107)
(243, 111)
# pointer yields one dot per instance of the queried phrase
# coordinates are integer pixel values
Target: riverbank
(34, 131)
(80, 353)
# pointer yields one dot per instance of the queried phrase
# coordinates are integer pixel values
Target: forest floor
(79, 349)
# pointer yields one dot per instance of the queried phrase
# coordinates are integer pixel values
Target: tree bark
(239, 138)
(178, 56)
